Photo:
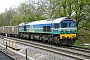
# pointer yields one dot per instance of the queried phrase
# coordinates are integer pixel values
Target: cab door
(25, 28)
(56, 29)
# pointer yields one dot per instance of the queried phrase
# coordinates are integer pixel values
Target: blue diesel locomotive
(60, 30)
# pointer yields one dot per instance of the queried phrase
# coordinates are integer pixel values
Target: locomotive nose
(69, 36)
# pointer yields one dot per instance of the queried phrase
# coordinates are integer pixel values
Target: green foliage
(35, 17)
(78, 42)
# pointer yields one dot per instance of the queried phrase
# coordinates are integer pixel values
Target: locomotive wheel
(55, 40)
(16, 36)
(21, 35)
(49, 39)
(27, 36)
(40, 38)
(24, 36)
(58, 41)
(45, 38)
(32, 37)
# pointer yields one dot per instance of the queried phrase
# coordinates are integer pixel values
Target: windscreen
(68, 24)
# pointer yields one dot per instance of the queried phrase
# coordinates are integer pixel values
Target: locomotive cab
(68, 31)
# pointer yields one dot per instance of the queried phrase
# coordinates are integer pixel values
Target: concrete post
(26, 54)
(6, 44)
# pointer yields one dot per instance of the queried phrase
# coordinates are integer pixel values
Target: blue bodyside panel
(28, 26)
(37, 26)
(21, 26)
(47, 24)
(41, 25)
(55, 28)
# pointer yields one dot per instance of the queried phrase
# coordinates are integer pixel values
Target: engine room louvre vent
(46, 29)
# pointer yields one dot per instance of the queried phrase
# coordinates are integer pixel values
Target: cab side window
(64, 25)
(56, 25)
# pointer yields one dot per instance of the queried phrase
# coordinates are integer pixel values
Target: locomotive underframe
(50, 38)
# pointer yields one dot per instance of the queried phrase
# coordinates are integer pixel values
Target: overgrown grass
(79, 43)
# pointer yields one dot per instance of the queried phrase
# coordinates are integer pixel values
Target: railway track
(80, 49)
(72, 52)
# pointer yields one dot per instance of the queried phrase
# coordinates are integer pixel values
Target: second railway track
(72, 52)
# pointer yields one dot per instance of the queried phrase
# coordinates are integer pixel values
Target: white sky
(8, 3)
